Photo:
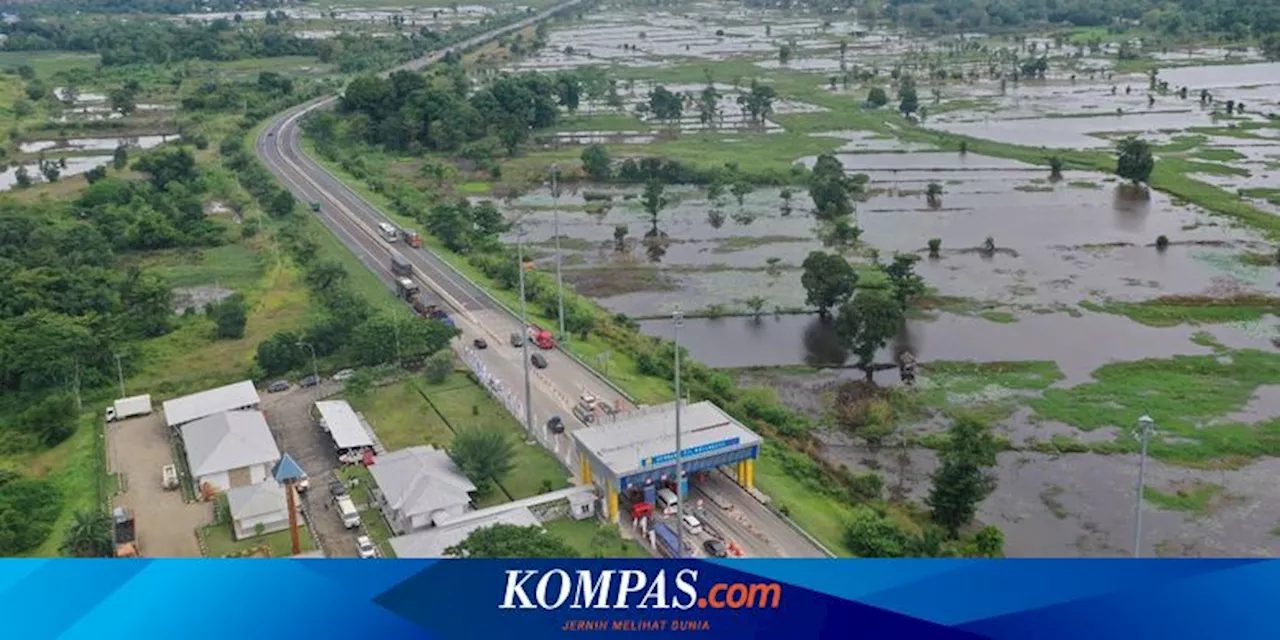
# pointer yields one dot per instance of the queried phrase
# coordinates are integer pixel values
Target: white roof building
(228, 441)
(419, 487)
(433, 542)
(343, 424)
(232, 397)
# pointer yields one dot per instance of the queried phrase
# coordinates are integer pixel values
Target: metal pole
(678, 319)
(1145, 424)
(555, 216)
(120, 373)
(524, 332)
(314, 371)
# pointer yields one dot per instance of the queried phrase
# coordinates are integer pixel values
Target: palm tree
(88, 536)
(483, 455)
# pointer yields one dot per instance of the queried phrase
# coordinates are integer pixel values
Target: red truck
(541, 337)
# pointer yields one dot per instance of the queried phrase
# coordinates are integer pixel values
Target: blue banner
(447, 600)
(689, 452)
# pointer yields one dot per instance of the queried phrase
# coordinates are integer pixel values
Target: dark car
(479, 343)
(715, 549)
(315, 206)
(337, 489)
(517, 340)
(309, 381)
(278, 386)
(538, 361)
(555, 425)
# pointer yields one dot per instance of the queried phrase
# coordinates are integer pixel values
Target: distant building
(263, 504)
(420, 487)
(229, 450)
(232, 397)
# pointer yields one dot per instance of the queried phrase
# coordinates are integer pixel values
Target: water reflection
(822, 347)
(1131, 203)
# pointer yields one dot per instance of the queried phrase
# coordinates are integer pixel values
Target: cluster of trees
(71, 7)
(28, 509)
(511, 541)
(1235, 18)
(121, 42)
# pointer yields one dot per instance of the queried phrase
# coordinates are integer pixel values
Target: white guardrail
(509, 399)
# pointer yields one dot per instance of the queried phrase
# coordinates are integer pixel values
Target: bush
(28, 510)
(51, 420)
(438, 367)
(229, 317)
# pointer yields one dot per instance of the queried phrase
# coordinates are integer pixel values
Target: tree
(828, 281)
(1055, 168)
(50, 171)
(438, 367)
(88, 536)
(758, 102)
(122, 101)
(280, 353)
(665, 105)
(229, 317)
(708, 106)
(1270, 46)
(909, 102)
(784, 54)
(485, 456)
(786, 195)
(1135, 161)
(740, 190)
(841, 234)
(906, 284)
(829, 188)
(865, 325)
(962, 481)
(933, 194)
(870, 535)
(511, 541)
(166, 165)
(120, 158)
(653, 201)
(595, 162)
(756, 305)
(877, 97)
(95, 174)
(620, 237)
(28, 509)
(51, 420)
(22, 177)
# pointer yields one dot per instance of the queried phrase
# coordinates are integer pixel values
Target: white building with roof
(233, 397)
(344, 425)
(264, 503)
(432, 543)
(229, 450)
(420, 487)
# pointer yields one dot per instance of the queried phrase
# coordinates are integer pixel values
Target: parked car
(715, 549)
(555, 425)
(347, 510)
(692, 524)
(517, 340)
(345, 374)
(278, 386)
(365, 546)
(337, 489)
(538, 361)
(309, 381)
(479, 343)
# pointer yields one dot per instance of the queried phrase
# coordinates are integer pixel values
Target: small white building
(263, 504)
(420, 487)
(432, 543)
(229, 450)
(233, 397)
(344, 425)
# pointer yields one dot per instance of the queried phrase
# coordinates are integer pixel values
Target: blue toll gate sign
(689, 452)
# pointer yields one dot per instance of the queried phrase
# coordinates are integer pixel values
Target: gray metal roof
(636, 438)
(182, 410)
(257, 500)
(345, 427)
(432, 542)
(228, 441)
(420, 480)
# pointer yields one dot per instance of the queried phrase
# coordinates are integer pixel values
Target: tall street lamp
(1146, 428)
(524, 332)
(315, 373)
(677, 318)
(120, 373)
(555, 216)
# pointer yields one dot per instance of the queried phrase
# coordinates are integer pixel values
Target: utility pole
(120, 373)
(1146, 428)
(555, 216)
(314, 371)
(524, 334)
(677, 318)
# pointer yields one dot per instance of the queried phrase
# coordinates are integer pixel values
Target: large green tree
(511, 541)
(828, 280)
(229, 317)
(962, 481)
(1135, 161)
(595, 162)
(830, 188)
(903, 280)
(484, 455)
(866, 323)
(88, 535)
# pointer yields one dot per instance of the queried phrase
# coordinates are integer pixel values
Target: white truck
(347, 509)
(129, 407)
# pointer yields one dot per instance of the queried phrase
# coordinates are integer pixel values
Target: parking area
(289, 415)
(137, 450)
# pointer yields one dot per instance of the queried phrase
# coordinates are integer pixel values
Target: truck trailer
(129, 407)
(124, 533)
(401, 267)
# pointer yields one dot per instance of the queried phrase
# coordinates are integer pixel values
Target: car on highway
(479, 343)
(337, 489)
(365, 547)
(538, 361)
(692, 524)
(309, 381)
(715, 549)
(278, 386)
(315, 206)
(345, 374)
(555, 425)
(517, 340)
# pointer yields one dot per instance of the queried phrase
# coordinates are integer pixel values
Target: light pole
(314, 371)
(1146, 428)
(555, 217)
(677, 319)
(120, 373)
(524, 332)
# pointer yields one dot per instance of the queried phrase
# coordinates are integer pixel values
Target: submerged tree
(962, 481)
(903, 279)
(828, 280)
(1135, 161)
(865, 325)
(933, 193)
(1055, 168)
(829, 188)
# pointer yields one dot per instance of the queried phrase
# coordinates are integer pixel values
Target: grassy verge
(594, 540)
(219, 540)
(1168, 311)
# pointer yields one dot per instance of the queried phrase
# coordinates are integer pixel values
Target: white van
(692, 524)
(347, 509)
(389, 233)
(667, 500)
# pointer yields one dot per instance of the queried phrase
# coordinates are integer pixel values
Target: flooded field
(106, 145)
(75, 166)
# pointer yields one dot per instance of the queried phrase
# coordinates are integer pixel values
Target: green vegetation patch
(1083, 184)
(1195, 498)
(1219, 154)
(591, 539)
(232, 266)
(1168, 311)
(220, 542)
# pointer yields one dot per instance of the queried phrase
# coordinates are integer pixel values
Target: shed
(344, 425)
(232, 397)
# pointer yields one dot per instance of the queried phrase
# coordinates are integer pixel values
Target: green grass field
(591, 539)
(220, 541)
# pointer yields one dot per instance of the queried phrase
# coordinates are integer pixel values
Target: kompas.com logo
(631, 589)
